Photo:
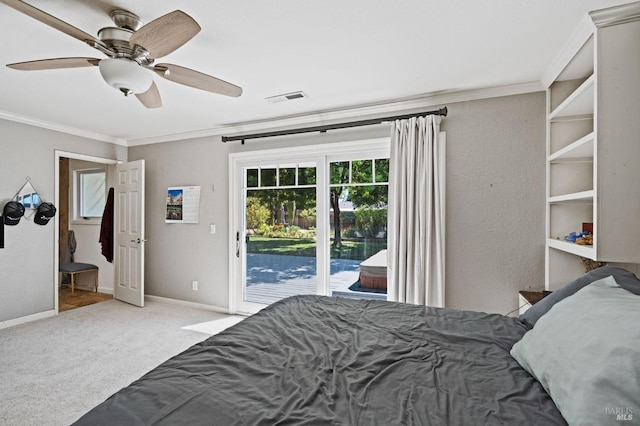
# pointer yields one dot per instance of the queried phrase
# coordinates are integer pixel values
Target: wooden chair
(77, 268)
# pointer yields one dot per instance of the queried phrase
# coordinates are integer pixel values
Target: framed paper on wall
(183, 204)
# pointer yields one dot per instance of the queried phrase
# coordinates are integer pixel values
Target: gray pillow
(585, 352)
(624, 278)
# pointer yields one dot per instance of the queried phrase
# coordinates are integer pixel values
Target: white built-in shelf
(580, 102)
(592, 88)
(580, 150)
(581, 65)
(569, 247)
(582, 117)
(576, 197)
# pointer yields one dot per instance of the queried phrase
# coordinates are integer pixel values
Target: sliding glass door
(304, 222)
(280, 233)
(358, 194)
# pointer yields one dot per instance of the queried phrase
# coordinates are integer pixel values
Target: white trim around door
(56, 190)
(319, 154)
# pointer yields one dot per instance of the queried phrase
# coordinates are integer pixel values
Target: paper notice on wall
(183, 204)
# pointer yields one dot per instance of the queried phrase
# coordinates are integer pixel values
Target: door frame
(239, 160)
(58, 154)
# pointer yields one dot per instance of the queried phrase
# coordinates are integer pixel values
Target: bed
(323, 360)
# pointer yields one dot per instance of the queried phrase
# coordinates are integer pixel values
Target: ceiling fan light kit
(132, 48)
(125, 75)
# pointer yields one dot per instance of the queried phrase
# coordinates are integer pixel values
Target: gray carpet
(54, 370)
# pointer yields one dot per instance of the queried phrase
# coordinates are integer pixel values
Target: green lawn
(355, 250)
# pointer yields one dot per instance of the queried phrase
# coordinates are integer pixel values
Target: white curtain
(416, 255)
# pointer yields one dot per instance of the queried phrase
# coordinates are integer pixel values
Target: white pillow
(586, 354)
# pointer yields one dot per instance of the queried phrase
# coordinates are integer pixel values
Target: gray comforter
(320, 360)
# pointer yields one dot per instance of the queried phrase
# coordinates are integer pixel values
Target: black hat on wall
(44, 213)
(12, 213)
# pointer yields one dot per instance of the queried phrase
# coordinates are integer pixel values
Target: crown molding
(60, 128)
(362, 112)
(596, 19)
(616, 15)
(579, 37)
(409, 105)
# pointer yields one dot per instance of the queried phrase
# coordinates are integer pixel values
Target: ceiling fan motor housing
(125, 19)
(125, 75)
(116, 39)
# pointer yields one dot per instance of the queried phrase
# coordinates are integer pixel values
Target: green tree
(291, 200)
(339, 174)
(309, 215)
(257, 213)
(362, 171)
(370, 220)
(376, 196)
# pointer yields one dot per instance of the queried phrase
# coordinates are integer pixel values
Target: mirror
(28, 196)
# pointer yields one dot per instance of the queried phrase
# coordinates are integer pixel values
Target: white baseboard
(105, 290)
(194, 305)
(28, 318)
(51, 313)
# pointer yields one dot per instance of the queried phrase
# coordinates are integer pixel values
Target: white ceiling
(342, 54)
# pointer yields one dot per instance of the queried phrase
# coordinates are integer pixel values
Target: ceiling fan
(131, 50)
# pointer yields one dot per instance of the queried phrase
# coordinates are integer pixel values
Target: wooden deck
(271, 278)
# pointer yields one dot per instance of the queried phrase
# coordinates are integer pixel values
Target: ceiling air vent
(286, 97)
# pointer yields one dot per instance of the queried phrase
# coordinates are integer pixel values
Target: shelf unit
(593, 144)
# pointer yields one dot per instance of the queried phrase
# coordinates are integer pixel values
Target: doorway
(85, 225)
(304, 222)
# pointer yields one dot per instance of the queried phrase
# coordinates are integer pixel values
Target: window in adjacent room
(90, 194)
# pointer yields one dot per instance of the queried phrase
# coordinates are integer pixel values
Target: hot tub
(373, 271)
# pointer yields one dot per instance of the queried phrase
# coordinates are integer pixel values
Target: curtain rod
(442, 111)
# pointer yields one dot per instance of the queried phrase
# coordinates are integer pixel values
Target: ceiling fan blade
(150, 98)
(165, 34)
(52, 21)
(196, 79)
(54, 64)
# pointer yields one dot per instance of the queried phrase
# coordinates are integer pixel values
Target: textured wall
(176, 254)
(495, 201)
(26, 262)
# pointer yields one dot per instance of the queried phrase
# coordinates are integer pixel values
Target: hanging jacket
(106, 228)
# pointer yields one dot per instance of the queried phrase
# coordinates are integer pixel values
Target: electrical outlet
(194, 285)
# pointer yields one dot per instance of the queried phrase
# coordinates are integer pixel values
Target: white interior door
(129, 232)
